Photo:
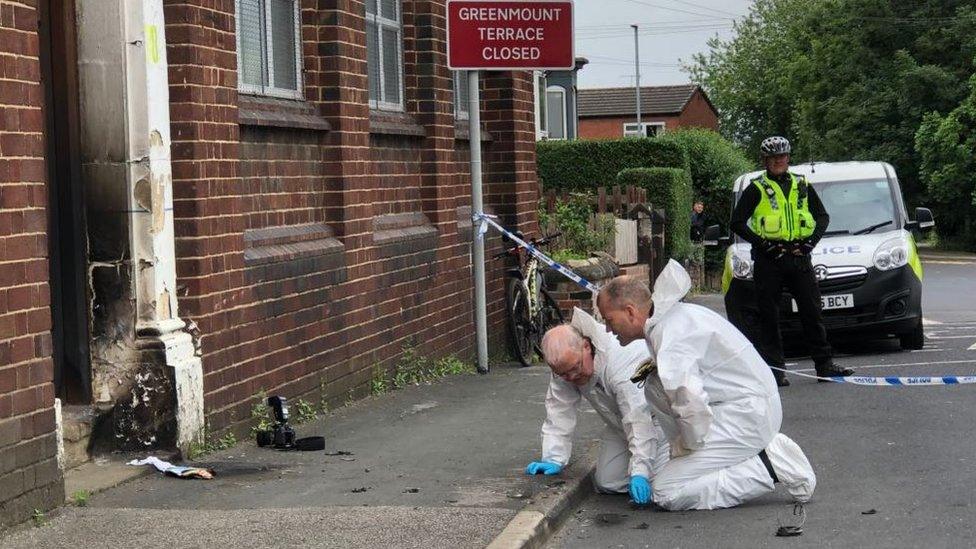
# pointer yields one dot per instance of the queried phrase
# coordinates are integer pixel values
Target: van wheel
(914, 339)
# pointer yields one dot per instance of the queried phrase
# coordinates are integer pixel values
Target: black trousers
(794, 273)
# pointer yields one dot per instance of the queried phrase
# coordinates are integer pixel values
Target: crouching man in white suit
(588, 363)
(713, 395)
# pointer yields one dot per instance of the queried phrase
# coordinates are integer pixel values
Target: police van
(866, 265)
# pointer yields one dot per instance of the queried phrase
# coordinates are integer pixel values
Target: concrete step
(77, 423)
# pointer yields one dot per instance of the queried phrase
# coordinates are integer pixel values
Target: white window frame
(539, 99)
(383, 22)
(460, 107)
(270, 90)
(644, 126)
(562, 111)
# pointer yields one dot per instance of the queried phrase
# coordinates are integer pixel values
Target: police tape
(485, 220)
(888, 381)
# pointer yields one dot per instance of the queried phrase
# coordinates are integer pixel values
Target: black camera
(281, 435)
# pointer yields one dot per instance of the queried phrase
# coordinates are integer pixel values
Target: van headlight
(891, 254)
(741, 267)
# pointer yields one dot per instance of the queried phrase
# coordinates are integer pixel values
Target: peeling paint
(163, 306)
(143, 194)
(158, 207)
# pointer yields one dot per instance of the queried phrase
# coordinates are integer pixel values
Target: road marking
(873, 366)
(930, 262)
(930, 322)
(951, 337)
(972, 347)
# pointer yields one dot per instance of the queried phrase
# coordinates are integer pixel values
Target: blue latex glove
(640, 489)
(544, 467)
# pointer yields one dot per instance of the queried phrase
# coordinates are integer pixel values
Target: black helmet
(773, 146)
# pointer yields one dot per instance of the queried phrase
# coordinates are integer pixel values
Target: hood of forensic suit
(671, 286)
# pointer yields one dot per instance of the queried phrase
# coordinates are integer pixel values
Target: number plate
(839, 301)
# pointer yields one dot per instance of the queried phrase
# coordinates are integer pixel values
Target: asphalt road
(896, 466)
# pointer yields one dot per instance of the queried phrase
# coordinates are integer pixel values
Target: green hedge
(670, 189)
(582, 165)
(715, 164)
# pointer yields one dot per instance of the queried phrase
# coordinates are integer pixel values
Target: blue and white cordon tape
(484, 220)
(890, 381)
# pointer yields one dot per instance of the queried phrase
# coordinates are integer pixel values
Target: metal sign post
(477, 207)
(501, 35)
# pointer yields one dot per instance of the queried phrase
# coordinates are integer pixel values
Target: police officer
(780, 214)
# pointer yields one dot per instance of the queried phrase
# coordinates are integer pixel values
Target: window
(539, 84)
(269, 48)
(556, 111)
(384, 58)
(461, 95)
(649, 129)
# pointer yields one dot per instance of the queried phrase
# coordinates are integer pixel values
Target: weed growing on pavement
(38, 518)
(211, 444)
(415, 368)
(304, 411)
(81, 497)
(378, 385)
(261, 413)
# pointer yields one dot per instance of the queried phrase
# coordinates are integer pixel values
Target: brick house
(274, 197)
(607, 113)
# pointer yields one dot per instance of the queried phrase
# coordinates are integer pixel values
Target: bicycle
(530, 309)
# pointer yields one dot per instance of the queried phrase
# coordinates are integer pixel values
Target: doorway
(67, 233)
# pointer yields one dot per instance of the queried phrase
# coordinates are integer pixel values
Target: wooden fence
(642, 223)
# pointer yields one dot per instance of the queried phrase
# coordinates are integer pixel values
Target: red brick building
(275, 198)
(609, 113)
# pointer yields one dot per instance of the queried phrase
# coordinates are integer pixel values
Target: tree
(948, 168)
(844, 79)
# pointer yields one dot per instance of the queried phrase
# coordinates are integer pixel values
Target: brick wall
(613, 127)
(316, 238)
(699, 113)
(29, 475)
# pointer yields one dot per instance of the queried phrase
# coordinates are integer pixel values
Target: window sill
(462, 132)
(270, 112)
(394, 123)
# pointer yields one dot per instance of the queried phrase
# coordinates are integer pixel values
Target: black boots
(781, 380)
(829, 369)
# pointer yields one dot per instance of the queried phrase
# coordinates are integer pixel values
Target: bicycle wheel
(520, 326)
(549, 316)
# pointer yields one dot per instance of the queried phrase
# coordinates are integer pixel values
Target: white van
(867, 264)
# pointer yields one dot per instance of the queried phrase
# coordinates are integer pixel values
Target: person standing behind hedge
(698, 221)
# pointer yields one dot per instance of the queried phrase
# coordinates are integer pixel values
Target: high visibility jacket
(778, 217)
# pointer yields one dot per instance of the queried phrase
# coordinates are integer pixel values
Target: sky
(669, 32)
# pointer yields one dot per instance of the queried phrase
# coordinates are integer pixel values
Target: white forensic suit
(717, 402)
(632, 444)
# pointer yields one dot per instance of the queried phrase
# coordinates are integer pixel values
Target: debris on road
(177, 471)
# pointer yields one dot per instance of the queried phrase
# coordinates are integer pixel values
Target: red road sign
(510, 35)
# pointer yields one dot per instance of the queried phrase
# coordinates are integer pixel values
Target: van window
(859, 206)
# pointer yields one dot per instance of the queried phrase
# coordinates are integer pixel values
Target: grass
(304, 411)
(81, 497)
(211, 444)
(261, 412)
(38, 518)
(414, 368)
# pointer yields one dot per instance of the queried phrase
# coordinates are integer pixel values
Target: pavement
(437, 465)
(896, 466)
